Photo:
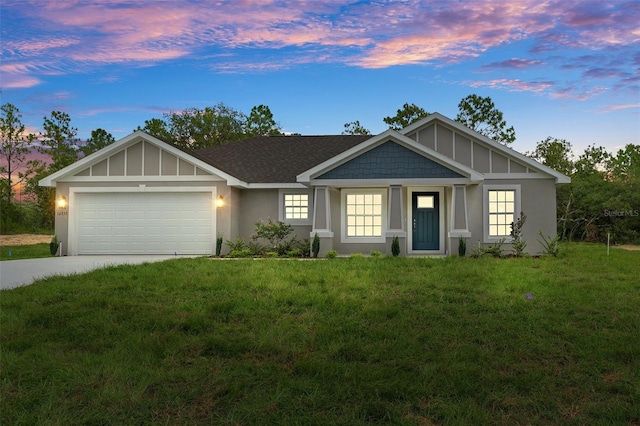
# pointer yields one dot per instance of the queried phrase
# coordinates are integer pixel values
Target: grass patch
(32, 251)
(352, 341)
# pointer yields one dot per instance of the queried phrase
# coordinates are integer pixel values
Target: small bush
(256, 249)
(462, 246)
(395, 246)
(518, 244)
(315, 247)
(271, 254)
(238, 245)
(218, 245)
(356, 255)
(276, 234)
(54, 245)
(494, 250)
(305, 248)
(295, 253)
(241, 253)
(550, 245)
(331, 254)
(376, 253)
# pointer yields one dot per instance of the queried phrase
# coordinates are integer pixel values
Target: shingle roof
(275, 159)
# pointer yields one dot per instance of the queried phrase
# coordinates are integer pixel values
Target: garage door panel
(145, 223)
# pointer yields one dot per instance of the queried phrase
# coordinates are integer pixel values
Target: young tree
(409, 113)
(59, 140)
(480, 114)
(593, 161)
(60, 144)
(98, 140)
(554, 153)
(14, 144)
(260, 122)
(14, 147)
(626, 163)
(157, 128)
(196, 128)
(355, 128)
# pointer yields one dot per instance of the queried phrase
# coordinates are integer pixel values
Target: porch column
(321, 213)
(459, 217)
(395, 216)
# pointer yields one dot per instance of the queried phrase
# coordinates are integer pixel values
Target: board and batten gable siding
(472, 153)
(142, 159)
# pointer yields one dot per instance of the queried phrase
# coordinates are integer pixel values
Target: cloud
(513, 63)
(50, 36)
(610, 108)
(577, 93)
(515, 85)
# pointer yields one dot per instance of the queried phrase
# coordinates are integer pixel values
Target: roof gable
(469, 147)
(407, 153)
(138, 156)
(390, 161)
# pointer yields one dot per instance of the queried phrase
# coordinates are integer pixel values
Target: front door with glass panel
(426, 221)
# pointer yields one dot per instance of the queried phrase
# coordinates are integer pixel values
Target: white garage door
(145, 223)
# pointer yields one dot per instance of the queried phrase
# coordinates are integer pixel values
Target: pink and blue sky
(562, 68)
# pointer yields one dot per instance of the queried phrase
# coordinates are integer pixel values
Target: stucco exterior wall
(538, 202)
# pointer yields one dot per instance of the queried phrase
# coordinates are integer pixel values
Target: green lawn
(343, 341)
(32, 251)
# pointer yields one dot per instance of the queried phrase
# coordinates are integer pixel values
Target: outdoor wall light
(220, 201)
(62, 202)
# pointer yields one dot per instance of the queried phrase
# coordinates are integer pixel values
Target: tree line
(602, 198)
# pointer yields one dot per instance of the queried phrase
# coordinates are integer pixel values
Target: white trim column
(395, 213)
(459, 216)
(321, 213)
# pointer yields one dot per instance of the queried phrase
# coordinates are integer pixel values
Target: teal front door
(426, 220)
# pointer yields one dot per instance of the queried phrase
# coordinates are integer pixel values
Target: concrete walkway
(17, 273)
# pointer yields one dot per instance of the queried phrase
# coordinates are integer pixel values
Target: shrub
(550, 245)
(395, 246)
(241, 253)
(462, 246)
(494, 250)
(255, 248)
(275, 233)
(376, 253)
(294, 253)
(518, 244)
(331, 254)
(271, 254)
(238, 245)
(356, 255)
(218, 245)
(305, 248)
(315, 247)
(54, 245)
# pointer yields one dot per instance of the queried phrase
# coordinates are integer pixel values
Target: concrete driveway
(17, 273)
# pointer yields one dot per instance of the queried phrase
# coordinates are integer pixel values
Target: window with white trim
(364, 215)
(296, 206)
(501, 207)
(501, 212)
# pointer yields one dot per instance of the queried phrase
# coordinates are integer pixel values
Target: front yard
(342, 341)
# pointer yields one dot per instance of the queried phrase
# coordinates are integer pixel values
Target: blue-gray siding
(390, 160)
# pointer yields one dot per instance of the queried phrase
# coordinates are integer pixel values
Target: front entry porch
(426, 219)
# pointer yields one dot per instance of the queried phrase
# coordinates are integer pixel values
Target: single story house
(430, 184)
